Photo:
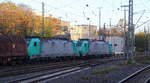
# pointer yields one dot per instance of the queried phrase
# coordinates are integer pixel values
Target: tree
(141, 41)
(15, 19)
(19, 19)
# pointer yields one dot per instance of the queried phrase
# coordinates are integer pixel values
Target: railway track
(52, 75)
(148, 80)
(26, 66)
(140, 76)
(31, 69)
(48, 76)
(13, 71)
(15, 67)
(59, 70)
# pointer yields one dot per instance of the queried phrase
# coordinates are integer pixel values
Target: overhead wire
(144, 5)
(54, 9)
(145, 9)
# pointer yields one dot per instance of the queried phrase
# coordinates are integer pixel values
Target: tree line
(141, 41)
(21, 20)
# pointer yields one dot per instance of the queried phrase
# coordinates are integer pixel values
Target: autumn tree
(20, 19)
(51, 26)
(14, 19)
(141, 42)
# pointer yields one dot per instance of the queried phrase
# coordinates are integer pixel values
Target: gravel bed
(111, 72)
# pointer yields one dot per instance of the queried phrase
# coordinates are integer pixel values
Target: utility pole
(130, 36)
(125, 30)
(60, 25)
(110, 22)
(99, 21)
(33, 22)
(148, 39)
(88, 28)
(43, 25)
(103, 34)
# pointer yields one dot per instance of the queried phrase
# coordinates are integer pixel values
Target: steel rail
(134, 74)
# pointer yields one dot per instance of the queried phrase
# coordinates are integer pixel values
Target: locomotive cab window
(115, 44)
(35, 43)
(85, 45)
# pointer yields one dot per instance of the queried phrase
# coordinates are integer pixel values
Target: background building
(83, 32)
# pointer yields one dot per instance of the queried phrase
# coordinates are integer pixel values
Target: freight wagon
(117, 44)
(13, 49)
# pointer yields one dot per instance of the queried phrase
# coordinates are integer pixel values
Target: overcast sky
(76, 11)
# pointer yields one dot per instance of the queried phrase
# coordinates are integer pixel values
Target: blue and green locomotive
(59, 48)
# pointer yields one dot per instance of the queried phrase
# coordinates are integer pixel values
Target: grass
(105, 70)
(100, 71)
(131, 62)
(145, 60)
(137, 61)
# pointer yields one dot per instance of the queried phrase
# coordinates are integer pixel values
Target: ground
(111, 72)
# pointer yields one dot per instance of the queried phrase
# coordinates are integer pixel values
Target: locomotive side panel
(57, 48)
(99, 48)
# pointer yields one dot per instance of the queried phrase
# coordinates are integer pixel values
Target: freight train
(18, 49)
